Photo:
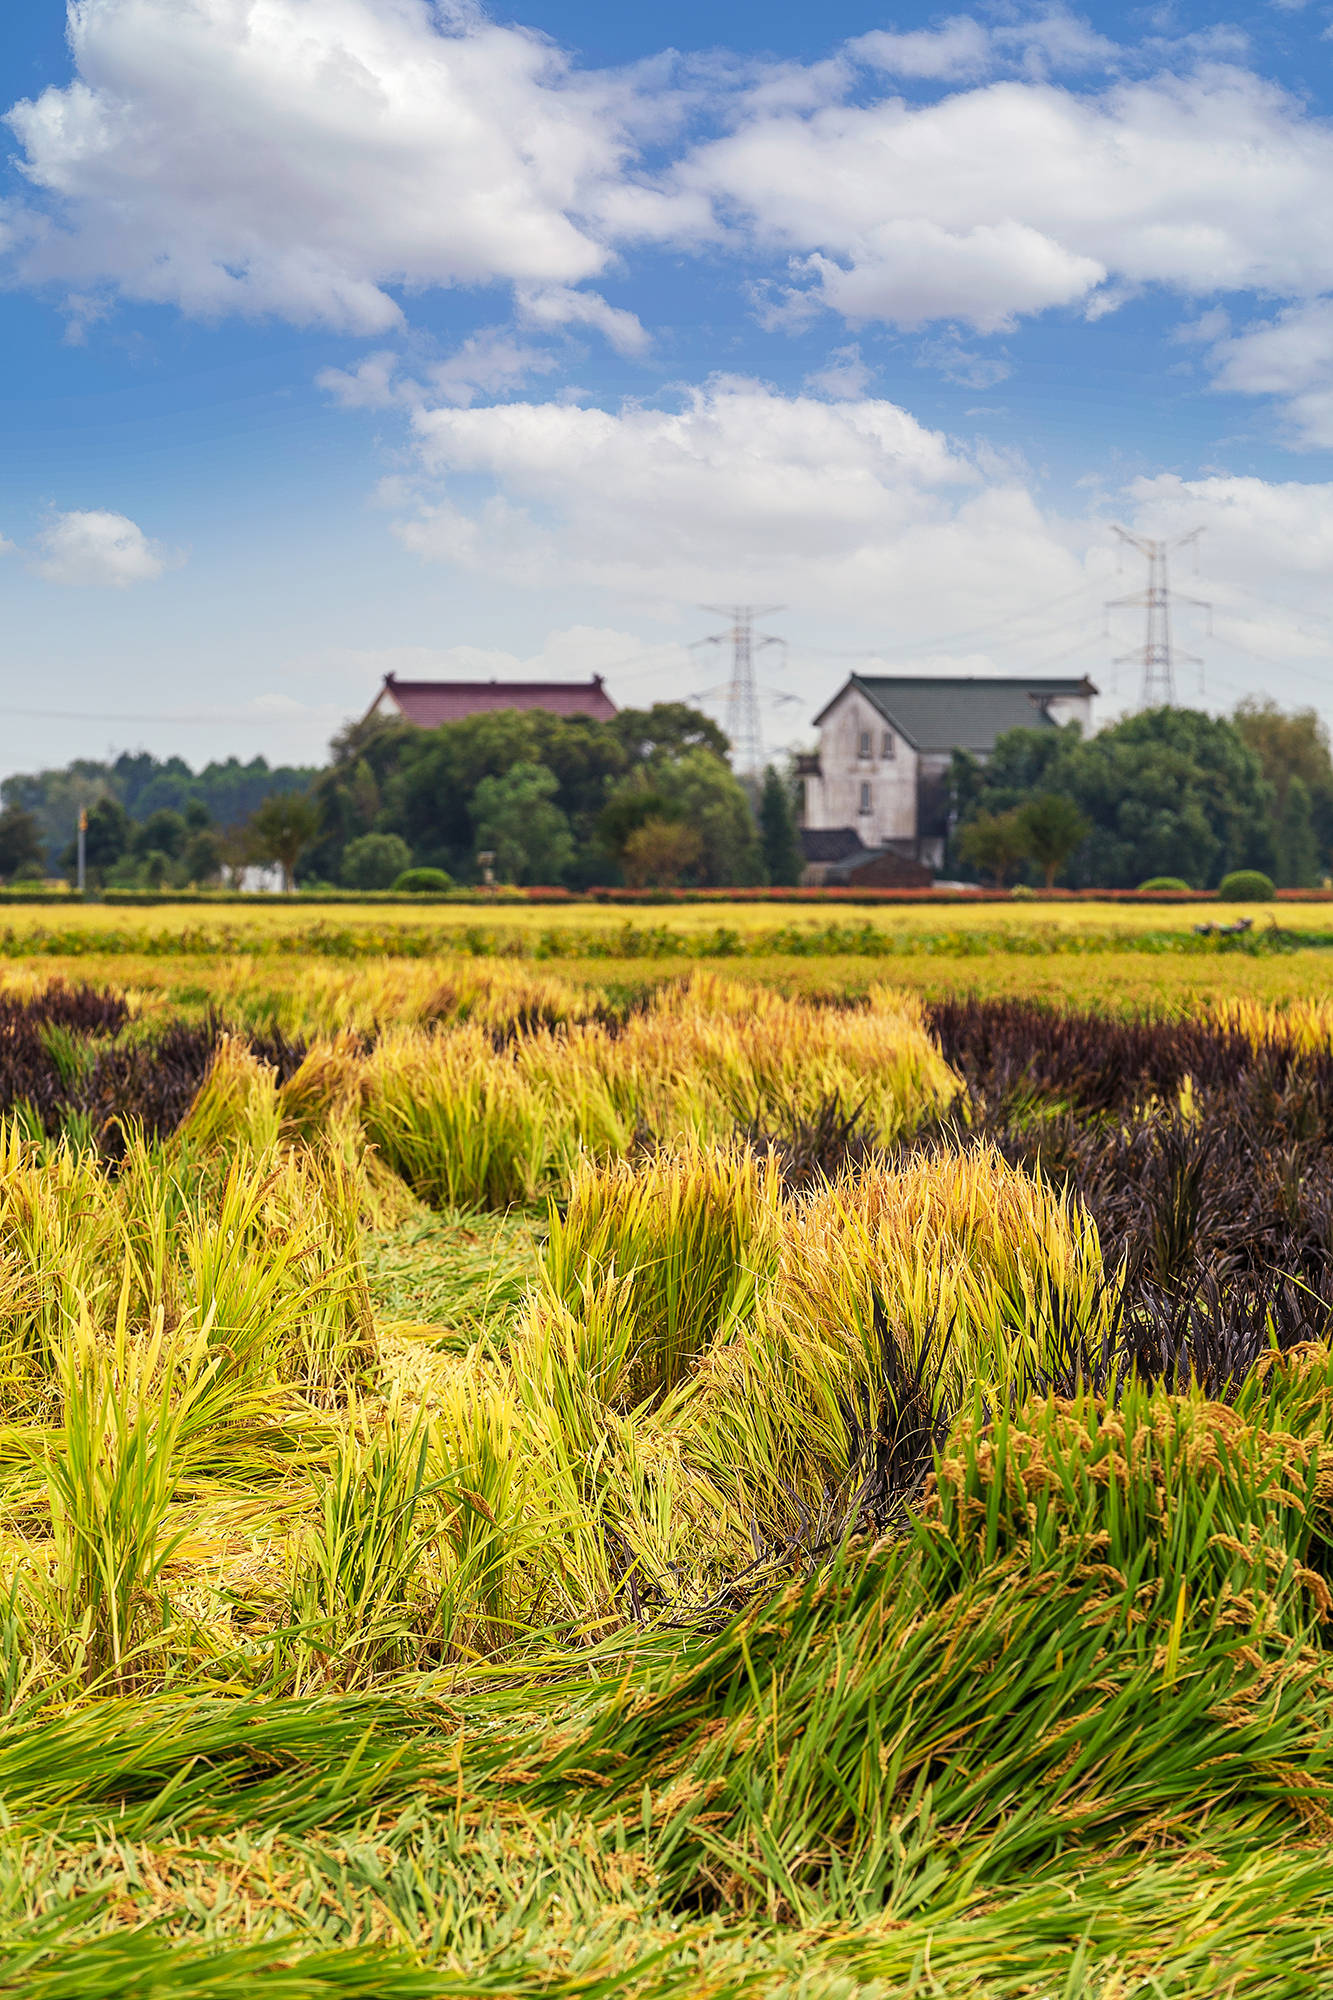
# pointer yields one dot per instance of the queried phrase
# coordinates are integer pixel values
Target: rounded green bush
(423, 882)
(1161, 883)
(1246, 885)
(375, 861)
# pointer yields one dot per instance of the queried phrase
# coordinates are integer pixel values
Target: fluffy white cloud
(320, 159)
(1290, 357)
(848, 506)
(960, 48)
(486, 364)
(1015, 196)
(92, 546)
(301, 157)
(550, 306)
(873, 532)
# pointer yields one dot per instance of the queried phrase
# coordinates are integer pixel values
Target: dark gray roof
(831, 843)
(938, 713)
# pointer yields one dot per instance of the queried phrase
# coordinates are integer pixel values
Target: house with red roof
(429, 703)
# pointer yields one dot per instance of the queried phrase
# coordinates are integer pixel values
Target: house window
(865, 798)
(864, 750)
(888, 748)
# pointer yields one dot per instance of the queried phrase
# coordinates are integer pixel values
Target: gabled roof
(430, 703)
(831, 843)
(937, 713)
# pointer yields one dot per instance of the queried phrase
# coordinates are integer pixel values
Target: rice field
(521, 1480)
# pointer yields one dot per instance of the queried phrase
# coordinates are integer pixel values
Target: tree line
(648, 798)
(516, 796)
(1168, 793)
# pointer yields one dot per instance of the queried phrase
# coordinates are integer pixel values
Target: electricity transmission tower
(742, 695)
(1157, 656)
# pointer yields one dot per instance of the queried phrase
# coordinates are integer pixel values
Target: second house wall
(892, 780)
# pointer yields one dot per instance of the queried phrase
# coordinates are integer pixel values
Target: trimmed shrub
(422, 882)
(1163, 883)
(1246, 885)
(375, 861)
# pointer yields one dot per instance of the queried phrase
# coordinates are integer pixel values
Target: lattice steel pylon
(741, 692)
(1157, 656)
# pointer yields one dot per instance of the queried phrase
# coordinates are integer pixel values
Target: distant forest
(226, 794)
(521, 797)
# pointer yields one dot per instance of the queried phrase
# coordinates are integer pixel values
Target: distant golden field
(257, 960)
(690, 919)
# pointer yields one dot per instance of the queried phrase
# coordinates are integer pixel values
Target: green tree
(1168, 792)
(349, 795)
(783, 861)
(1293, 748)
(660, 852)
(429, 786)
(516, 818)
(701, 790)
(201, 861)
(629, 807)
(20, 845)
(164, 832)
(995, 842)
(281, 830)
(1296, 842)
(667, 729)
(1052, 827)
(375, 861)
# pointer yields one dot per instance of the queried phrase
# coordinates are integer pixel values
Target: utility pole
(1157, 656)
(742, 696)
(83, 848)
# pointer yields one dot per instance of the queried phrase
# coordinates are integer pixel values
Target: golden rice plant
(237, 1102)
(351, 1607)
(460, 1122)
(682, 1241)
(713, 1055)
(960, 1252)
(111, 1472)
(468, 1123)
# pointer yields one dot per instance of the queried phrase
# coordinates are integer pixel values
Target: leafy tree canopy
(1167, 792)
(517, 820)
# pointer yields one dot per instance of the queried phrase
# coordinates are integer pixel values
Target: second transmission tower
(1156, 656)
(742, 695)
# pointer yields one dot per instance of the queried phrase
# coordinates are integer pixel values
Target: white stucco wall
(1072, 708)
(835, 798)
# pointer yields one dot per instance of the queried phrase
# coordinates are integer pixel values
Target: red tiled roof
(432, 702)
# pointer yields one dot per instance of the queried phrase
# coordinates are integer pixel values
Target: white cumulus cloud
(850, 505)
(1291, 358)
(324, 159)
(92, 546)
(1014, 196)
(305, 157)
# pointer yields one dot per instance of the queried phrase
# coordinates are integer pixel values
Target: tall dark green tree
(779, 844)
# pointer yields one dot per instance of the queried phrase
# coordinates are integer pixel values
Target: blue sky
(343, 336)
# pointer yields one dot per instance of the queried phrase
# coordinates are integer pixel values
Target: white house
(880, 775)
